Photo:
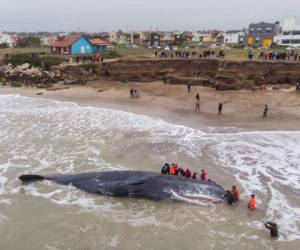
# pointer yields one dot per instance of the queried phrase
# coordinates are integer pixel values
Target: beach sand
(241, 109)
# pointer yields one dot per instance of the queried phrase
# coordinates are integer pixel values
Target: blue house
(82, 46)
(78, 45)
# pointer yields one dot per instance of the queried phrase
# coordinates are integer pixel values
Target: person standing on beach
(197, 106)
(266, 109)
(220, 108)
(189, 87)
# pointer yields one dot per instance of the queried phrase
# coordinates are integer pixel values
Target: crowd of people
(275, 56)
(173, 169)
(232, 196)
(134, 93)
(189, 54)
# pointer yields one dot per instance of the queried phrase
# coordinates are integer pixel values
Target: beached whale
(138, 184)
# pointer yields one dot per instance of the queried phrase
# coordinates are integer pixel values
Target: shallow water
(45, 137)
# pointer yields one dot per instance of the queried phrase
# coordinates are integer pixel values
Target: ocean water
(46, 137)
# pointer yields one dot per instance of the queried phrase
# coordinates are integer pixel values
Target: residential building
(167, 39)
(98, 44)
(262, 34)
(290, 34)
(145, 38)
(234, 37)
(220, 37)
(77, 45)
(114, 37)
(179, 39)
(46, 41)
(10, 40)
(155, 39)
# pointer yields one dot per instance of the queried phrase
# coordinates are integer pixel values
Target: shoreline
(171, 103)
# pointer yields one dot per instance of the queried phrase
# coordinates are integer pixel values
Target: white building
(48, 40)
(234, 37)
(4, 38)
(290, 34)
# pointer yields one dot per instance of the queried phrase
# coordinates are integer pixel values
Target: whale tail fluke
(31, 178)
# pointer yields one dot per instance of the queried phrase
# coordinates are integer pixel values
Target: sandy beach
(241, 109)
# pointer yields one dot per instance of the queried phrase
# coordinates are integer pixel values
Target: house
(234, 37)
(77, 45)
(290, 34)
(178, 38)
(220, 37)
(167, 39)
(262, 34)
(98, 45)
(10, 40)
(155, 39)
(145, 38)
(114, 37)
(46, 41)
(201, 37)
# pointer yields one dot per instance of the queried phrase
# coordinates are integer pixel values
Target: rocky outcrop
(27, 75)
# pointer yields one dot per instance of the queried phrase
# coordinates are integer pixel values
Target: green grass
(45, 61)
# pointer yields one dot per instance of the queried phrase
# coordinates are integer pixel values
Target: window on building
(287, 33)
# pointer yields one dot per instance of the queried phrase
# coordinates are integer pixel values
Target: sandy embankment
(242, 109)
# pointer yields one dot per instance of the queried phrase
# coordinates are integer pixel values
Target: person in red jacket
(188, 173)
(202, 175)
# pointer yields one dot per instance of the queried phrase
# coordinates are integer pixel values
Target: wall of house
(81, 46)
(262, 33)
(231, 38)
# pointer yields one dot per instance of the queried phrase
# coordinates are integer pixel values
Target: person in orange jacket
(172, 169)
(235, 193)
(252, 202)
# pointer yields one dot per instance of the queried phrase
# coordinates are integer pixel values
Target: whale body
(137, 184)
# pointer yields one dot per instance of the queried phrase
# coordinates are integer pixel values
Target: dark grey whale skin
(137, 184)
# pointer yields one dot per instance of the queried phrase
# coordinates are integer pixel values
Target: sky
(129, 15)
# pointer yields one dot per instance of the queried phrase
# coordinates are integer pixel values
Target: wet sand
(241, 109)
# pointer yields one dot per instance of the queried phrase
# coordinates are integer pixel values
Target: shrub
(110, 54)
(20, 59)
(34, 60)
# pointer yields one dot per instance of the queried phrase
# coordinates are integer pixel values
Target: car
(167, 48)
(174, 48)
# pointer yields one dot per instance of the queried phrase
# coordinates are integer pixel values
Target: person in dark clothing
(194, 176)
(229, 197)
(131, 93)
(165, 169)
(181, 172)
(189, 88)
(197, 105)
(266, 109)
(220, 108)
(273, 228)
(298, 87)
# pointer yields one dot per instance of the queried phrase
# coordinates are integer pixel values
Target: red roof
(66, 42)
(97, 41)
